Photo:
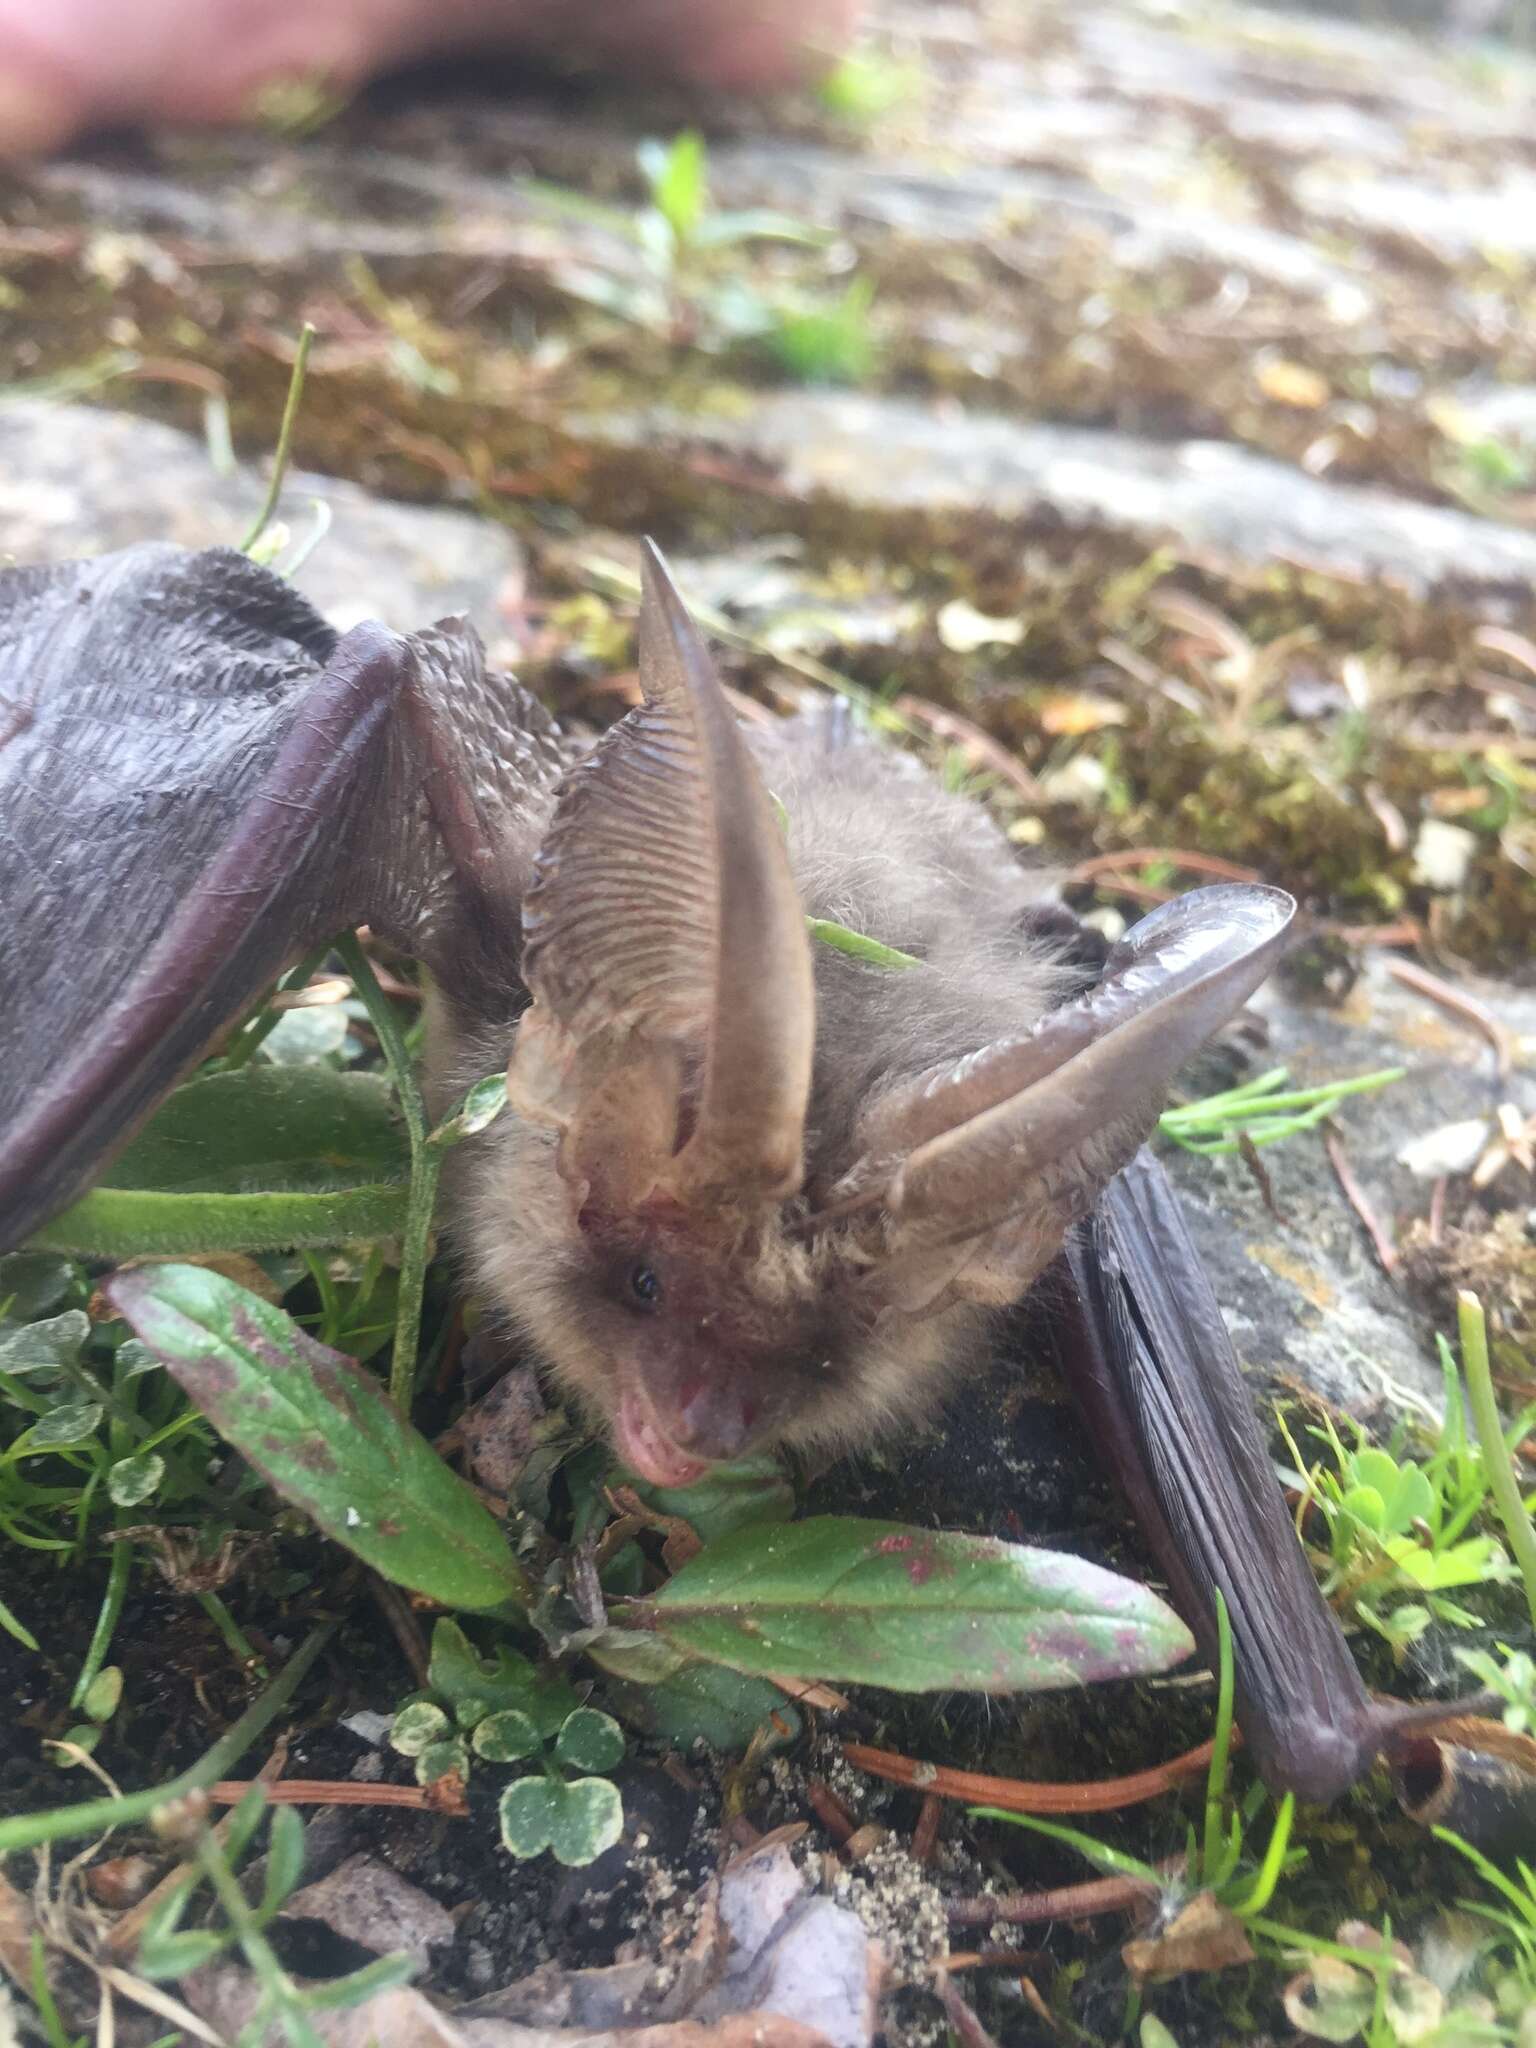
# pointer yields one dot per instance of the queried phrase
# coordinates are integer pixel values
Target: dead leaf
(121, 1881)
(16, 1927)
(1202, 1936)
(512, 1436)
(1443, 855)
(374, 1906)
(963, 2022)
(1069, 714)
(769, 1965)
(226, 1994)
(1289, 383)
(963, 629)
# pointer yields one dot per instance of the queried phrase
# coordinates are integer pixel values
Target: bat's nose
(712, 1420)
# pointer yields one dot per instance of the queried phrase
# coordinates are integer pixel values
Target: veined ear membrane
(664, 929)
(1017, 1125)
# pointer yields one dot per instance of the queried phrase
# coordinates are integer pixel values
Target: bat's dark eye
(644, 1286)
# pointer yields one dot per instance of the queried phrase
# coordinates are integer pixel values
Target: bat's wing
(198, 779)
(1140, 1339)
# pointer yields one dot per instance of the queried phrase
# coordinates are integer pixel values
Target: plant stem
(426, 1165)
(282, 1994)
(239, 1645)
(1498, 1471)
(95, 1816)
(106, 1620)
(284, 439)
(265, 1020)
(1221, 1744)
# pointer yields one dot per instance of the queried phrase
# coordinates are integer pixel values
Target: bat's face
(692, 1338)
(652, 1215)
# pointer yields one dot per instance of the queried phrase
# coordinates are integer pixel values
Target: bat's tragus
(786, 1260)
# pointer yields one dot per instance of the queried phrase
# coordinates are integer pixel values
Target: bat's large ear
(984, 1165)
(671, 1032)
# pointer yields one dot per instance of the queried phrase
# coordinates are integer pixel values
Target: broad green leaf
(266, 1131)
(417, 1726)
(578, 1822)
(590, 1741)
(132, 1358)
(588, 1818)
(912, 1609)
(307, 1037)
(254, 1160)
(1365, 1505)
(502, 1680)
(637, 1655)
(1413, 1499)
(32, 1283)
(84, 1735)
(732, 1497)
(70, 1423)
(322, 1432)
(131, 1481)
(1372, 1467)
(47, 1346)
(527, 1814)
(448, 1759)
(124, 1223)
(103, 1693)
(1404, 1490)
(1468, 1563)
(506, 1737)
(480, 1108)
(701, 1703)
(1331, 2000)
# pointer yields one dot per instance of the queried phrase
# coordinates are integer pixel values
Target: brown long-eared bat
(754, 1189)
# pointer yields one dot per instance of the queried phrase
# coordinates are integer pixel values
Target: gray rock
(78, 481)
(885, 455)
(1303, 1294)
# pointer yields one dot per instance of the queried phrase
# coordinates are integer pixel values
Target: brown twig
(1500, 686)
(992, 1958)
(960, 732)
(124, 1935)
(1063, 1902)
(342, 1792)
(925, 1835)
(830, 1810)
(1402, 931)
(1143, 856)
(403, 1624)
(965, 2025)
(1355, 1195)
(1021, 1795)
(1498, 1035)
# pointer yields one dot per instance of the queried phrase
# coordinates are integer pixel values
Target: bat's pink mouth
(647, 1449)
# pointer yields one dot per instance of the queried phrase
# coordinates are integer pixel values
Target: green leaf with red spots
(917, 1610)
(322, 1432)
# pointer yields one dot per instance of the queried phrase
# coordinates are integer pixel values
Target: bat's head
(708, 1275)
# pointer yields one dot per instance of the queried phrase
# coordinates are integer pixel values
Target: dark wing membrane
(1140, 1339)
(197, 780)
